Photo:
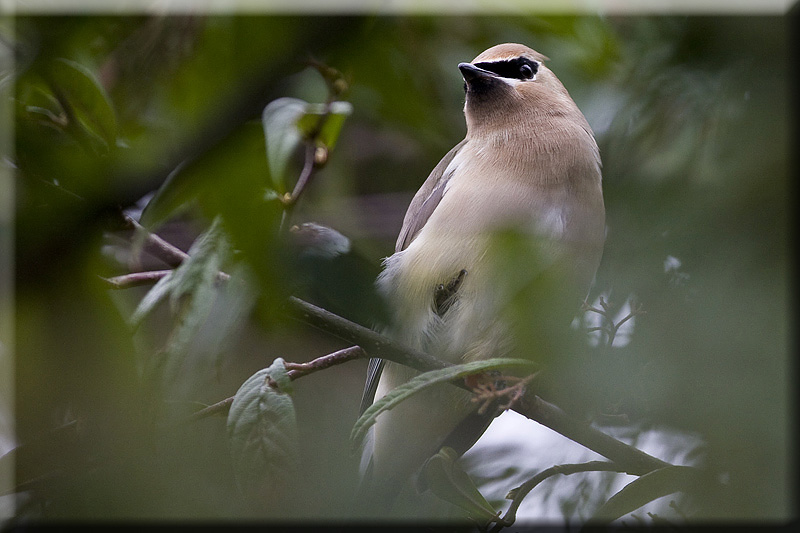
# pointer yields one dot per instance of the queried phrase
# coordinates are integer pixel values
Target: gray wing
(418, 213)
(426, 199)
(373, 375)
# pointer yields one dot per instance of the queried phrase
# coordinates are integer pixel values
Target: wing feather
(426, 199)
(374, 370)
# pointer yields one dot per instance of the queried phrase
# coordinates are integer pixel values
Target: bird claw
(488, 389)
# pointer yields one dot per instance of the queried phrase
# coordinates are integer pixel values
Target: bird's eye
(526, 71)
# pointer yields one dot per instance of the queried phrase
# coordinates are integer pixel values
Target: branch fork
(609, 327)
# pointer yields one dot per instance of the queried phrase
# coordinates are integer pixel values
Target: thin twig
(298, 370)
(305, 175)
(609, 327)
(170, 254)
(315, 157)
(219, 408)
(518, 494)
(295, 371)
(136, 279)
(635, 311)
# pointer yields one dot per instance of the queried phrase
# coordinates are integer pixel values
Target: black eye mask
(512, 68)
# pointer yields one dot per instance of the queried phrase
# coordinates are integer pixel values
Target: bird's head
(507, 85)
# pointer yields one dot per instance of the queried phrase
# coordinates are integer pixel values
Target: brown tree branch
(487, 393)
(375, 344)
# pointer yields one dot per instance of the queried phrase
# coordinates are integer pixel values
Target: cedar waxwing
(529, 165)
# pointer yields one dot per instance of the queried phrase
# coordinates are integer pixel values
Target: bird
(513, 211)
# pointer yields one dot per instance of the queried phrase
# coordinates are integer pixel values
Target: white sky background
(514, 440)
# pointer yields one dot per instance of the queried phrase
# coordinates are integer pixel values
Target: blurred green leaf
(224, 179)
(174, 195)
(445, 478)
(194, 278)
(157, 293)
(87, 98)
(194, 289)
(35, 92)
(324, 124)
(200, 269)
(288, 121)
(235, 300)
(421, 382)
(262, 430)
(282, 135)
(645, 489)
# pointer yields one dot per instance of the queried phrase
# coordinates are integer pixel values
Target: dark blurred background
(693, 119)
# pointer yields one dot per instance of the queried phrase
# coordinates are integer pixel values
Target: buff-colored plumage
(530, 164)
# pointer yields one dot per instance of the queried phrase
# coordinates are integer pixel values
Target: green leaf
(174, 195)
(233, 303)
(205, 260)
(194, 291)
(328, 131)
(289, 121)
(645, 489)
(445, 478)
(152, 298)
(281, 134)
(262, 430)
(421, 382)
(191, 288)
(223, 179)
(89, 101)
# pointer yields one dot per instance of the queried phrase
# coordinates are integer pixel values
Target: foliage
(208, 120)
(263, 432)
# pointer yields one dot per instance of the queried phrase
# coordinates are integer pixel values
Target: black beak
(471, 73)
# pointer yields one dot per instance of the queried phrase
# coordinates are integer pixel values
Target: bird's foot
(488, 388)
